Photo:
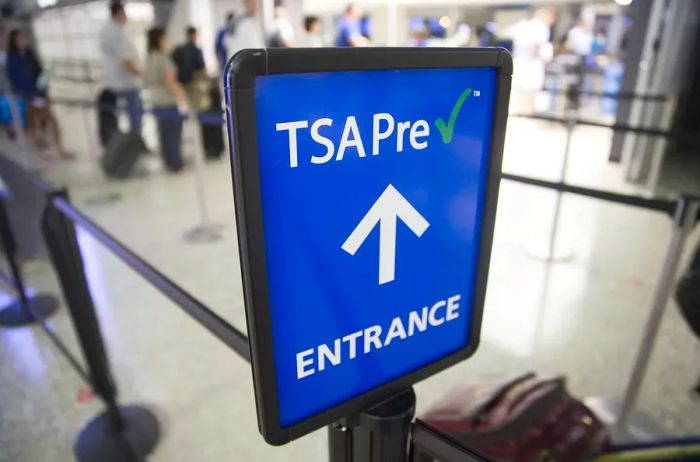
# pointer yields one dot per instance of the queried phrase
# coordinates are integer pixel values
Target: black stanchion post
(27, 309)
(121, 433)
(377, 435)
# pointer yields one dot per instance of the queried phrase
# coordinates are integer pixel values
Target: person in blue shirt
(350, 29)
(220, 42)
(29, 83)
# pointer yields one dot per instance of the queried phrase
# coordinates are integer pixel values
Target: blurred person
(531, 37)
(6, 119)
(461, 38)
(312, 37)
(420, 33)
(350, 30)
(532, 49)
(247, 31)
(192, 72)
(600, 42)
(282, 30)
(367, 26)
(222, 36)
(487, 35)
(202, 92)
(579, 39)
(28, 82)
(122, 72)
(167, 98)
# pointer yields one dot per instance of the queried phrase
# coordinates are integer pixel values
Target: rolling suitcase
(211, 121)
(526, 419)
(107, 122)
(121, 154)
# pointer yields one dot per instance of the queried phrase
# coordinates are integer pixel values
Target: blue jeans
(134, 107)
(169, 121)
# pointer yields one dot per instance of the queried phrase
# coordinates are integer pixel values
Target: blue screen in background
(327, 294)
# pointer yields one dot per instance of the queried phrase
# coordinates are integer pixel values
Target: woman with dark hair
(27, 79)
(166, 96)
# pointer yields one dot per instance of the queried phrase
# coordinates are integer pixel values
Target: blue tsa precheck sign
(365, 198)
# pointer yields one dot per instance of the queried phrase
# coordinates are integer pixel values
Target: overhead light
(623, 2)
(46, 3)
(142, 12)
(445, 22)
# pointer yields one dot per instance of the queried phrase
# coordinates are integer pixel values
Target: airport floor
(582, 318)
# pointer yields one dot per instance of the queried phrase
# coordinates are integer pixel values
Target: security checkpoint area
(398, 253)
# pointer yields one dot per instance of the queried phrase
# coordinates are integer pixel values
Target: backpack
(188, 62)
(525, 419)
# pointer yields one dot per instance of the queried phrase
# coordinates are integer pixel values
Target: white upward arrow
(390, 206)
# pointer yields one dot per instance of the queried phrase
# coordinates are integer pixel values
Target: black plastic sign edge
(239, 77)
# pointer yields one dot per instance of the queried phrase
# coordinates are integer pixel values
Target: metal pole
(10, 247)
(28, 308)
(195, 138)
(549, 254)
(378, 435)
(86, 118)
(339, 443)
(570, 124)
(120, 433)
(62, 243)
(684, 220)
(205, 232)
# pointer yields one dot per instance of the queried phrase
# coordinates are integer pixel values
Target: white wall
(200, 14)
(72, 32)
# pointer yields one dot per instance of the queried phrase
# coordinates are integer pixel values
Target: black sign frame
(239, 77)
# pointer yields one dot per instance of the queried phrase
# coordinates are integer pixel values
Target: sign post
(365, 184)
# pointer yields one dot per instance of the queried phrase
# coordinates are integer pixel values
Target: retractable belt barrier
(671, 135)
(622, 95)
(129, 433)
(227, 333)
(684, 212)
(207, 117)
(195, 122)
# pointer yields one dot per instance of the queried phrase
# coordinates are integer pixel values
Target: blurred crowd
(176, 79)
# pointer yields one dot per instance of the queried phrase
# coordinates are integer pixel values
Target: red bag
(527, 419)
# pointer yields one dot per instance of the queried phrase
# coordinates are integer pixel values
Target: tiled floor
(583, 318)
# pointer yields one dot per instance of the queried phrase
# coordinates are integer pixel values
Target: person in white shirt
(247, 31)
(122, 71)
(532, 48)
(281, 34)
(580, 39)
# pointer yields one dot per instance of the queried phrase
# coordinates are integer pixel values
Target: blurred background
(605, 98)
(593, 48)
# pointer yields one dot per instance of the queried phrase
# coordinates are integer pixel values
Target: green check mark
(447, 131)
